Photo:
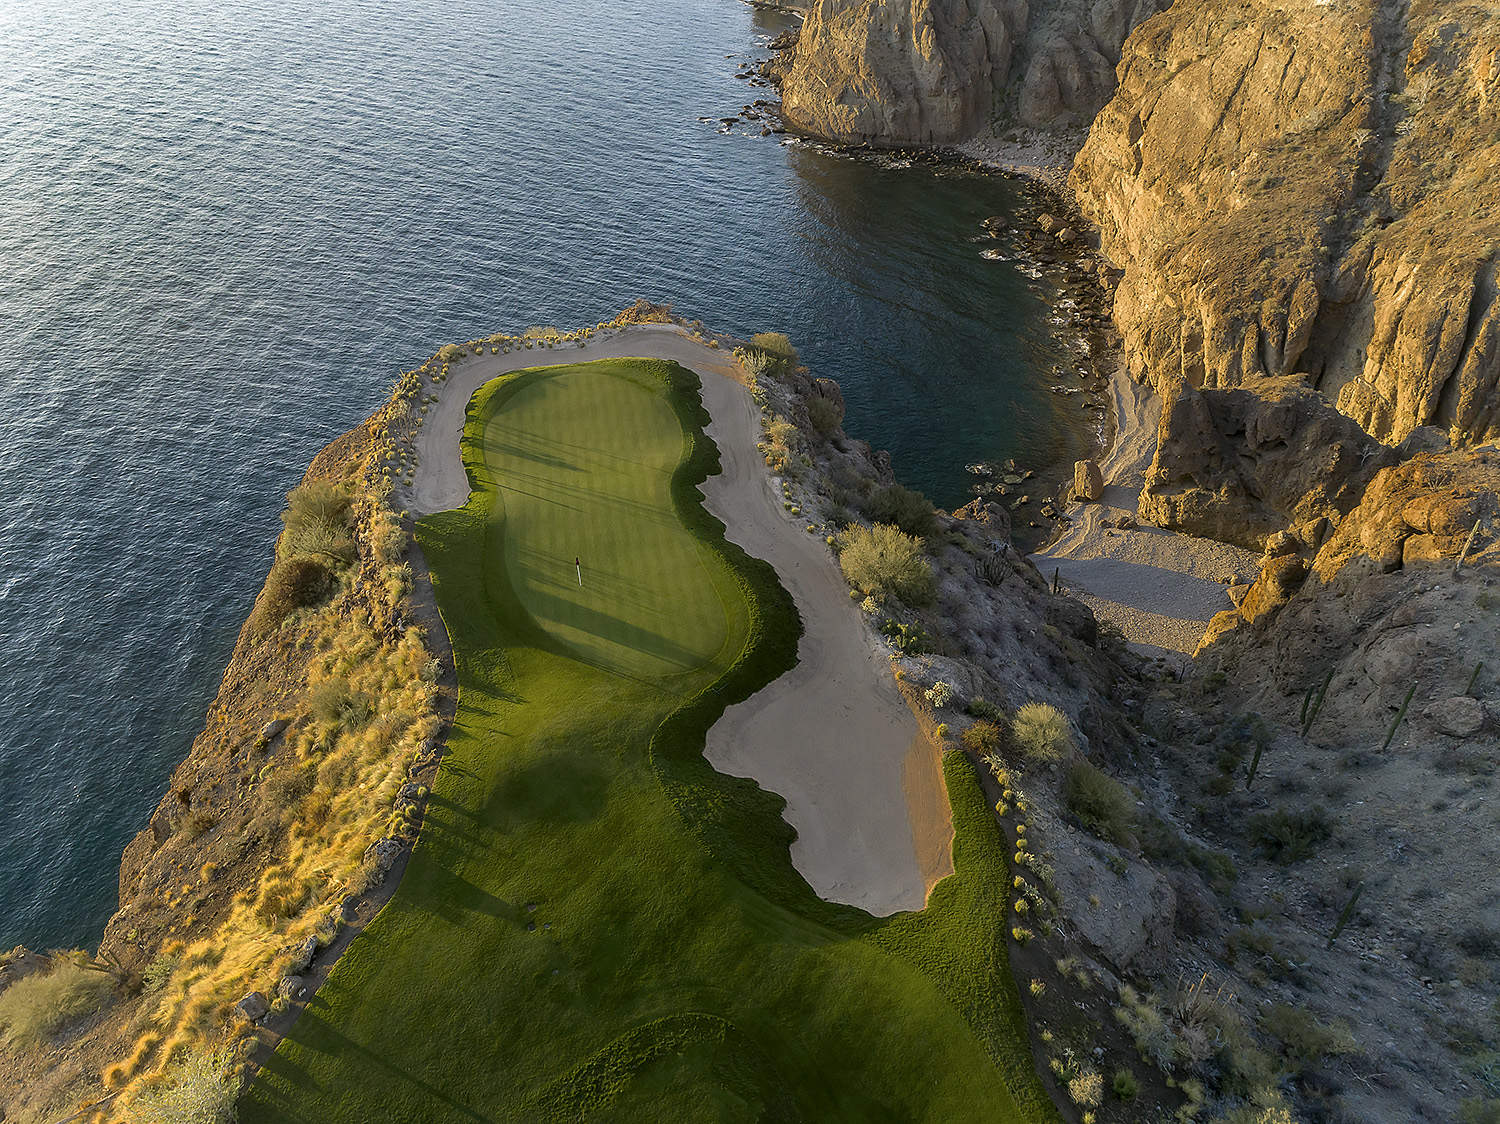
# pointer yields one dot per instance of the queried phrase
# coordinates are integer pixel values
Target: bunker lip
(833, 736)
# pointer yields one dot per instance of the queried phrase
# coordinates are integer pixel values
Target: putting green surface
(583, 460)
(595, 924)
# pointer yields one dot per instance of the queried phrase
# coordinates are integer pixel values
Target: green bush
(1288, 837)
(882, 561)
(1479, 1110)
(1100, 802)
(33, 1009)
(982, 737)
(1041, 732)
(317, 519)
(200, 1091)
(778, 344)
(987, 711)
(1124, 1085)
(293, 583)
(1304, 1039)
(825, 414)
(900, 505)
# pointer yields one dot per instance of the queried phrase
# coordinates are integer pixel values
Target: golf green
(595, 924)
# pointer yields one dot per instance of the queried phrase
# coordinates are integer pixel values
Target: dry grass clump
(34, 1009)
(201, 1090)
(1041, 732)
(882, 561)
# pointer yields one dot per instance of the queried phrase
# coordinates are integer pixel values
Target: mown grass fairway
(595, 924)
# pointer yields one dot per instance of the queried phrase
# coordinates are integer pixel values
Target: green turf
(595, 924)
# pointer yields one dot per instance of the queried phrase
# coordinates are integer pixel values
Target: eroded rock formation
(937, 71)
(1302, 197)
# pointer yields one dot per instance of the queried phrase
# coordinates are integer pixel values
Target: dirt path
(833, 736)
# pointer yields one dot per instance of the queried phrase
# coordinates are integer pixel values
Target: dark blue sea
(226, 226)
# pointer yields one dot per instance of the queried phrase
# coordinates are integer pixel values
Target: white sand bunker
(863, 786)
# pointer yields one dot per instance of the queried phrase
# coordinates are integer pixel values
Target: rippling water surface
(225, 227)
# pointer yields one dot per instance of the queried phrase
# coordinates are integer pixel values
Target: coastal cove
(259, 240)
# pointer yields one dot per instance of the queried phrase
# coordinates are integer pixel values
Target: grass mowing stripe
(595, 924)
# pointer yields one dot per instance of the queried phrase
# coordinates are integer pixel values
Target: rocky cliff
(1301, 197)
(937, 71)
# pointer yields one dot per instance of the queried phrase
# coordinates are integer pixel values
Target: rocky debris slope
(938, 71)
(1301, 197)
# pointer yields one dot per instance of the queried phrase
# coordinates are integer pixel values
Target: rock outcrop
(938, 71)
(1301, 197)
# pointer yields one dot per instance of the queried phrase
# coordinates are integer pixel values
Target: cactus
(1347, 913)
(1469, 690)
(1400, 714)
(1254, 765)
(1310, 713)
(1056, 573)
(1468, 542)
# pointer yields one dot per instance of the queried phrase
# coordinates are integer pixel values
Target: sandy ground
(1159, 586)
(1029, 152)
(833, 736)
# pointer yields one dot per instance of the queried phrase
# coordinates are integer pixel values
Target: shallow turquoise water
(227, 226)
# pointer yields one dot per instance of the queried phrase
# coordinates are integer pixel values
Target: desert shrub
(199, 1091)
(1147, 1026)
(981, 737)
(1124, 1086)
(292, 584)
(900, 505)
(825, 414)
(451, 351)
(317, 519)
(881, 560)
(158, 972)
(288, 784)
(908, 639)
(644, 312)
(1479, 1110)
(33, 1009)
(1287, 837)
(1087, 1089)
(1100, 802)
(778, 344)
(1305, 1039)
(985, 711)
(1041, 732)
(940, 694)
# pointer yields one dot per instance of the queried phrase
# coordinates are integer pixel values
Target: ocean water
(226, 226)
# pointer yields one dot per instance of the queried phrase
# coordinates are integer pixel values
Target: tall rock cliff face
(1303, 197)
(936, 71)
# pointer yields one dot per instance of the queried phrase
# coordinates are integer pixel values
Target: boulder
(1048, 224)
(993, 517)
(1431, 549)
(1088, 481)
(384, 853)
(1280, 543)
(253, 1006)
(291, 987)
(1459, 717)
(302, 959)
(274, 727)
(1219, 626)
(1280, 577)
